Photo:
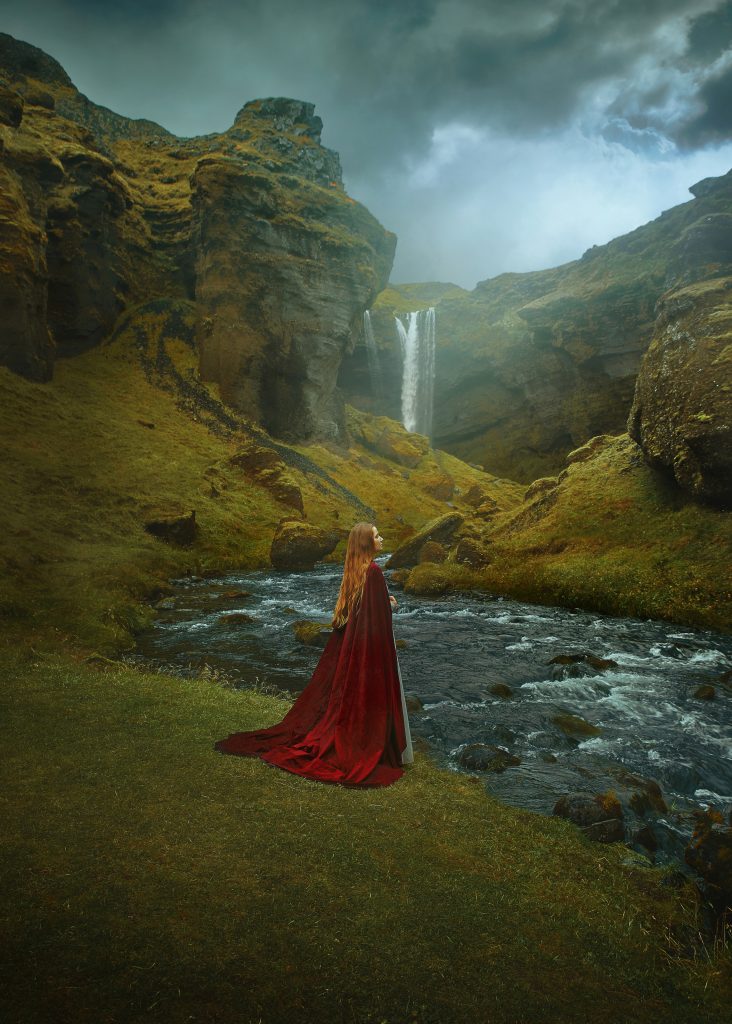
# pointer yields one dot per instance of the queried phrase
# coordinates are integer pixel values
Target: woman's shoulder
(375, 567)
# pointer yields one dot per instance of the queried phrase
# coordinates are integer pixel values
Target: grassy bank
(613, 536)
(148, 877)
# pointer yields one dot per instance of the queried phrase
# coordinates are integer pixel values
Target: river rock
(485, 757)
(705, 692)
(600, 816)
(578, 665)
(709, 853)
(298, 546)
(575, 725)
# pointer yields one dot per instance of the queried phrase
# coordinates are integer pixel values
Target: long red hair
(359, 555)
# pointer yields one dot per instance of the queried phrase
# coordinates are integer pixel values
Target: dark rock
(500, 690)
(709, 853)
(578, 665)
(705, 692)
(600, 816)
(485, 757)
(173, 526)
(575, 725)
(297, 546)
(232, 618)
(646, 837)
(414, 704)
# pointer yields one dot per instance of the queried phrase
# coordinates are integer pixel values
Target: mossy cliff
(252, 224)
(529, 366)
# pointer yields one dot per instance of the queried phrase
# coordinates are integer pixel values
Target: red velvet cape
(347, 724)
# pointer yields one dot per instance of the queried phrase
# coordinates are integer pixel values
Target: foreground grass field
(149, 878)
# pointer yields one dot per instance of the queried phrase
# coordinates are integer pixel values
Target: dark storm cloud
(427, 101)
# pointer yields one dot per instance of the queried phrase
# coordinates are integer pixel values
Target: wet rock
(166, 604)
(400, 643)
(234, 618)
(440, 530)
(485, 757)
(414, 704)
(578, 665)
(646, 837)
(709, 853)
(314, 634)
(600, 816)
(575, 725)
(172, 526)
(705, 692)
(235, 595)
(399, 577)
(298, 546)
(546, 755)
(500, 690)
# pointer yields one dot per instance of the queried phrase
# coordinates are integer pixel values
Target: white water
(372, 353)
(418, 378)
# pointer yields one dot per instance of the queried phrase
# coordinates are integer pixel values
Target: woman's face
(378, 539)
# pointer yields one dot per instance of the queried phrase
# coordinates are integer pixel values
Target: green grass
(149, 877)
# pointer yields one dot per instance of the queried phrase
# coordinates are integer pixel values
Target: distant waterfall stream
(418, 379)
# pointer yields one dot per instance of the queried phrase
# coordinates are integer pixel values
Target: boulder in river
(485, 757)
(574, 665)
(599, 815)
(575, 725)
(298, 546)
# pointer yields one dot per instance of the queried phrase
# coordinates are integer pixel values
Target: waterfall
(372, 353)
(418, 376)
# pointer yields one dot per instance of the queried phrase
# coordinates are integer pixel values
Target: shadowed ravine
(651, 726)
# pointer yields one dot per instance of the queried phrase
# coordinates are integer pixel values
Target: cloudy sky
(490, 135)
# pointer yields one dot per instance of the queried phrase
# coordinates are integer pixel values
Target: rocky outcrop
(297, 546)
(529, 366)
(682, 409)
(105, 213)
(439, 531)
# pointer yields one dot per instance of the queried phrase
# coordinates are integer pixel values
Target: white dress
(407, 753)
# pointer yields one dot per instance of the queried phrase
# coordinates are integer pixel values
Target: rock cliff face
(682, 410)
(529, 366)
(102, 213)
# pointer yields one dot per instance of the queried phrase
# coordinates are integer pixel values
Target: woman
(349, 725)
